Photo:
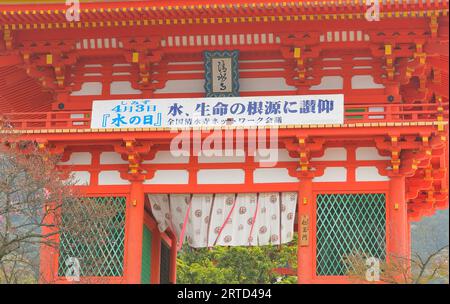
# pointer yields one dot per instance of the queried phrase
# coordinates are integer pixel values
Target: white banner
(218, 112)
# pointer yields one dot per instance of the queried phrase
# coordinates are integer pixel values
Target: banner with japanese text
(218, 112)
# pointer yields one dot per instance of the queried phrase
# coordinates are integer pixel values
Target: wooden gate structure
(359, 184)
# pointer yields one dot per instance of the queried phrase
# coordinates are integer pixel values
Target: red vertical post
(48, 117)
(398, 219)
(135, 223)
(156, 258)
(173, 261)
(392, 91)
(48, 269)
(305, 252)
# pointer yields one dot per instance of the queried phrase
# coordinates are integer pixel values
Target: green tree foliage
(236, 265)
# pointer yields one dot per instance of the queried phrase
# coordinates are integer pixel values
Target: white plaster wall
(78, 158)
(77, 116)
(221, 176)
(332, 174)
(109, 158)
(89, 88)
(118, 65)
(183, 86)
(122, 87)
(369, 174)
(222, 156)
(362, 58)
(165, 177)
(376, 110)
(329, 83)
(369, 153)
(111, 178)
(245, 85)
(332, 154)
(365, 82)
(282, 155)
(93, 65)
(81, 178)
(166, 157)
(273, 175)
(264, 84)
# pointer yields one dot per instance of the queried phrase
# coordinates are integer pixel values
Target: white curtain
(244, 219)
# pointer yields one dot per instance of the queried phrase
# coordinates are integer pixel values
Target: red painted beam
(176, 8)
(9, 60)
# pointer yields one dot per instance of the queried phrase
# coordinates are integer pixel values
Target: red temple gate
(390, 153)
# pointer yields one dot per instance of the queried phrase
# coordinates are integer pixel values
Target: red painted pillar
(173, 261)
(156, 258)
(48, 265)
(398, 239)
(135, 222)
(305, 252)
(392, 91)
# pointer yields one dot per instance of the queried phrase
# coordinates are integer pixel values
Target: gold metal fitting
(135, 58)
(49, 58)
(388, 49)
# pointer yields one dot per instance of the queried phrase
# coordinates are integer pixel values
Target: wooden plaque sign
(304, 230)
(221, 73)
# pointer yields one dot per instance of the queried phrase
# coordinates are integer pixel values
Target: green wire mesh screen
(349, 224)
(146, 256)
(93, 231)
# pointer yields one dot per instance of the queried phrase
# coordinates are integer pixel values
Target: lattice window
(146, 256)
(93, 232)
(349, 224)
(164, 277)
